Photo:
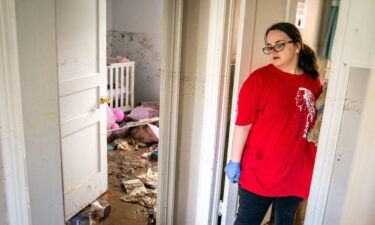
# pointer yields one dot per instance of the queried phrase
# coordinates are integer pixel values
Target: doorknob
(104, 100)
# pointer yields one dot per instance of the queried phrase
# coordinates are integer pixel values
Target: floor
(119, 170)
(127, 163)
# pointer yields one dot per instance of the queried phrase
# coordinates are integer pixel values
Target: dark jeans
(254, 207)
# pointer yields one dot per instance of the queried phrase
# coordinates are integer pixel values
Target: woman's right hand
(233, 171)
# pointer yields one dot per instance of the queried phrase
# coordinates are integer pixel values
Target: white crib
(120, 88)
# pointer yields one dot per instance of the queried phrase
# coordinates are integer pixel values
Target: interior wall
(38, 76)
(351, 118)
(192, 83)
(356, 62)
(136, 34)
(311, 33)
(360, 195)
(109, 26)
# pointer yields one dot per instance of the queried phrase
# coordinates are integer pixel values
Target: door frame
(331, 120)
(169, 104)
(12, 145)
(225, 33)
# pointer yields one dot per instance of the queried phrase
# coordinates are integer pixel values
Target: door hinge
(220, 209)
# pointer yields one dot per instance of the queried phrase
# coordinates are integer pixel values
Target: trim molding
(331, 123)
(242, 68)
(12, 144)
(169, 104)
(214, 112)
(223, 111)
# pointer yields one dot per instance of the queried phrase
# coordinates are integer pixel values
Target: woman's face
(287, 57)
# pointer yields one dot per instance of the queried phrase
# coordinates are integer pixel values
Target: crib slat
(127, 86)
(122, 90)
(132, 86)
(117, 87)
(111, 86)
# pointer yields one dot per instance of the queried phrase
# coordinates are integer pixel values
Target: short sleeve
(248, 100)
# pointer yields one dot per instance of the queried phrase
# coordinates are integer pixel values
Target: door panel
(81, 65)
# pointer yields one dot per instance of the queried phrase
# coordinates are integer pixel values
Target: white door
(251, 28)
(81, 39)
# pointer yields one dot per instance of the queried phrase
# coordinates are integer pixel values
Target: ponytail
(307, 61)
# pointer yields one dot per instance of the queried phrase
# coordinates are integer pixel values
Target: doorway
(250, 26)
(131, 102)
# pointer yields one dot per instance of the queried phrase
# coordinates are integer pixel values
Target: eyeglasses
(277, 47)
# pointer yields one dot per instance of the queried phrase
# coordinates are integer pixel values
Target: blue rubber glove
(233, 171)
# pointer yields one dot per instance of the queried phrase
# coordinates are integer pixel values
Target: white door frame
(215, 113)
(12, 144)
(223, 105)
(12, 141)
(169, 103)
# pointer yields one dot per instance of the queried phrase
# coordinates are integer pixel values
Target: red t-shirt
(277, 159)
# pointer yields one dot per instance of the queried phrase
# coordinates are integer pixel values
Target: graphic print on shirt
(305, 102)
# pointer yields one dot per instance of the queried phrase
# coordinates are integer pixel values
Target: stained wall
(134, 30)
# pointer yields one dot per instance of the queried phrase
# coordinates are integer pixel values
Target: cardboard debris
(135, 188)
(130, 199)
(149, 176)
(100, 209)
(145, 201)
(139, 191)
(125, 144)
(151, 184)
(131, 184)
(152, 175)
(153, 193)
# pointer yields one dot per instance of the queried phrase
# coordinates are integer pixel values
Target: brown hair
(307, 60)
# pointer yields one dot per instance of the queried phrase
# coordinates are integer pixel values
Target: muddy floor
(124, 165)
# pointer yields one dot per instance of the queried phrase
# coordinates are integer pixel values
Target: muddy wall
(134, 30)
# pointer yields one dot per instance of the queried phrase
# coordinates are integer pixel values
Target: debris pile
(132, 164)
(132, 152)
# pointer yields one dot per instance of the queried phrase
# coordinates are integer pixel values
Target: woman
(271, 158)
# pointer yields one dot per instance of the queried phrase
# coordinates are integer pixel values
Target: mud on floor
(127, 208)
